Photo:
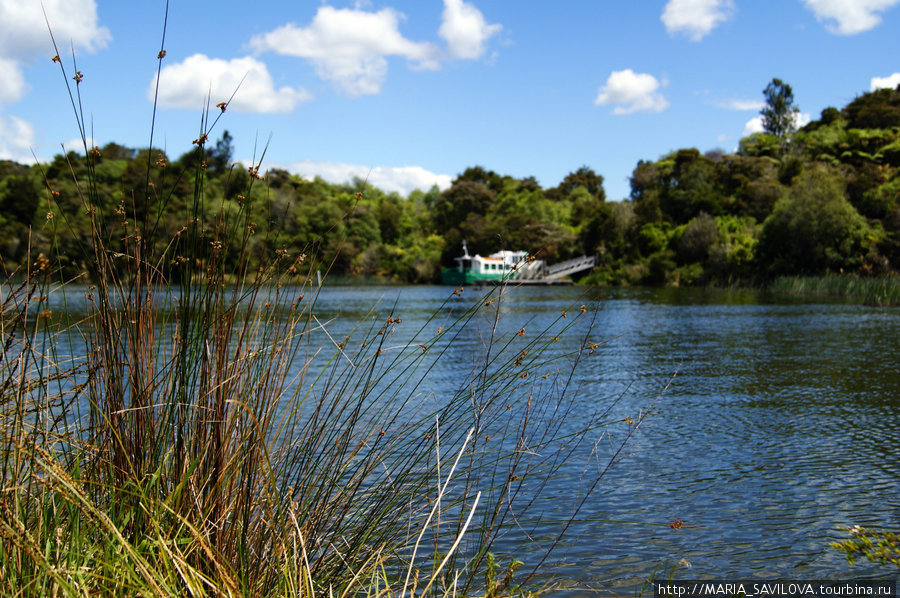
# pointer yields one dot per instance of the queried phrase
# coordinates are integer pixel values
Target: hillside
(824, 199)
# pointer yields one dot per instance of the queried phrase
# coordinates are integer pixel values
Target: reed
(199, 431)
(882, 290)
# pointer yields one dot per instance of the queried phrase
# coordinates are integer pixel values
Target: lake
(774, 423)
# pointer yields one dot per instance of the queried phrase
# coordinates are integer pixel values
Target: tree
(477, 174)
(459, 213)
(879, 109)
(815, 229)
(698, 237)
(219, 157)
(779, 114)
(19, 196)
(583, 177)
(693, 188)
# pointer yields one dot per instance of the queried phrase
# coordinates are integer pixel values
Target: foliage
(697, 238)
(827, 202)
(879, 546)
(732, 257)
(759, 144)
(584, 178)
(779, 114)
(816, 229)
(877, 109)
(372, 234)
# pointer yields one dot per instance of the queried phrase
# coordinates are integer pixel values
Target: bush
(815, 229)
(698, 237)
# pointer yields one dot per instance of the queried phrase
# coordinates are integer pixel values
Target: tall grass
(199, 431)
(882, 290)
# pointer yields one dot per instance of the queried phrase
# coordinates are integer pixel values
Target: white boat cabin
(501, 263)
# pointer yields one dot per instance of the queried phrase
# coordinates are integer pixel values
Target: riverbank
(870, 291)
(881, 290)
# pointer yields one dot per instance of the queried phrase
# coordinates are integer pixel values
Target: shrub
(698, 237)
(815, 229)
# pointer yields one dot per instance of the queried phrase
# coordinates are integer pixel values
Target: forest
(821, 199)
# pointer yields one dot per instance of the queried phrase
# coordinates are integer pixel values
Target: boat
(511, 266)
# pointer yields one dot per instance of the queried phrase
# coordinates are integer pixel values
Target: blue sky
(411, 92)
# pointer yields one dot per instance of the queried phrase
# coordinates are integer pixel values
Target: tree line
(820, 199)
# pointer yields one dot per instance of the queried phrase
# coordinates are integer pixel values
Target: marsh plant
(881, 291)
(187, 425)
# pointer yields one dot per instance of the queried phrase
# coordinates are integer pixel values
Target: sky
(409, 93)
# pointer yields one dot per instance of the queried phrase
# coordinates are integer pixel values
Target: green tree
(478, 174)
(759, 145)
(459, 214)
(878, 109)
(779, 114)
(585, 178)
(698, 237)
(647, 181)
(815, 229)
(19, 197)
(693, 187)
(732, 255)
(219, 157)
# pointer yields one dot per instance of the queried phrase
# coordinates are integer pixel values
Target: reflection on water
(780, 426)
(781, 423)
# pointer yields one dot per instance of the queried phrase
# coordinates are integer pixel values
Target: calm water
(773, 423)
(780, 426)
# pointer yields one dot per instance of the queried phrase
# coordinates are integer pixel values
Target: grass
(883, 290)
(198, 431)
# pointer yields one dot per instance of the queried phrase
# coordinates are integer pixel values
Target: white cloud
(77, 145)
(16, 139)
(801, 119)
(349, 47)
(187, 84)
(24, 37)
(23, 30)
(696, 18)
(631, 92)
(755, 124)
(403, 179)
(14, 86)
(890, 82)
(464, 29)
(741, 105)
(849, 16)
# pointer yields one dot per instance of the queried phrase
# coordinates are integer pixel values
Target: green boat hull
(455, 277)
